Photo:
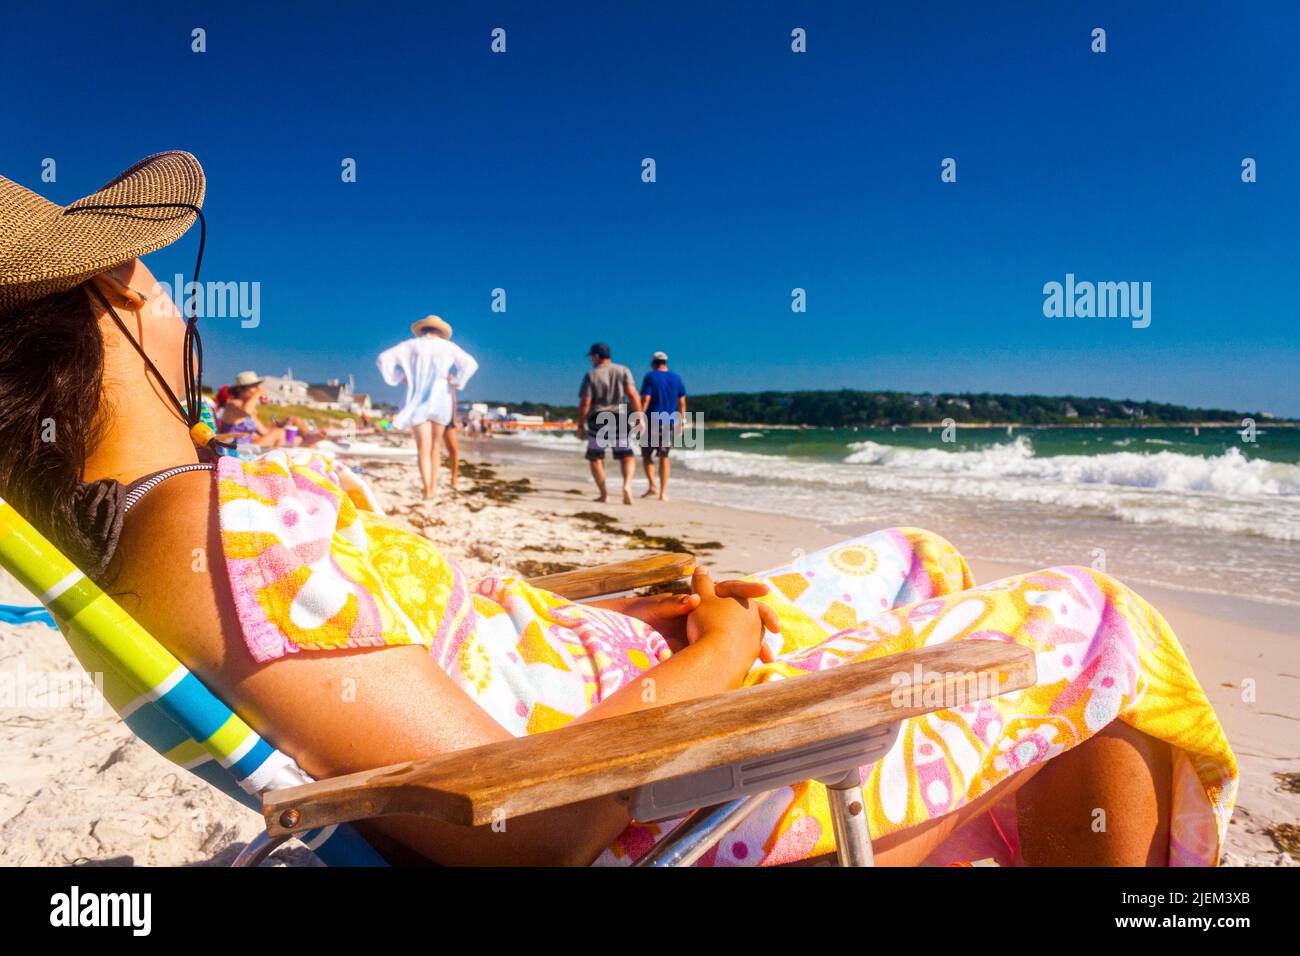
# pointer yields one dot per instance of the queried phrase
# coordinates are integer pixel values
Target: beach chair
(708, 761)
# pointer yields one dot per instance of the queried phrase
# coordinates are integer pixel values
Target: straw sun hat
(431, 322)
(47, 248)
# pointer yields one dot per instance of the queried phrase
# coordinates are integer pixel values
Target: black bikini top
(142, 486)
(101, 507)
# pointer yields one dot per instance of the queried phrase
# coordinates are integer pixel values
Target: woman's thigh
(423, 437)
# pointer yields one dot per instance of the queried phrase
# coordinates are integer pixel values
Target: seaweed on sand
(1287, 838)
(1288, 782)
(643, 540)
(600, 520)
(531, 568)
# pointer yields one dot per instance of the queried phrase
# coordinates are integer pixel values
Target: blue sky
(775, 170)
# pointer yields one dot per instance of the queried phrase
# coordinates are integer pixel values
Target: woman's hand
(669, 614)
(726, 611)
(751, 589)
(666, 613)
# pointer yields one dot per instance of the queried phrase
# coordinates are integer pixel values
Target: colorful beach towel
(311, 571)
(1102, 654)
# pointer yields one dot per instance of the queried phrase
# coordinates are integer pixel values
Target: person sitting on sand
(603, 419)
(237, 419)
(306, 593)
(432, 366)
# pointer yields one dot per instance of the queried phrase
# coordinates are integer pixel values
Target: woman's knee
(947, 569)
(1104, 581)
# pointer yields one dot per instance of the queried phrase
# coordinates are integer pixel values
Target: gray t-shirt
(607, 385)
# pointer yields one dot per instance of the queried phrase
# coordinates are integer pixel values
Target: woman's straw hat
(47, 248)
(248, 378)
(431, 322)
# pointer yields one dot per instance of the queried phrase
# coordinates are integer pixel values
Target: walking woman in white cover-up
(425, 364)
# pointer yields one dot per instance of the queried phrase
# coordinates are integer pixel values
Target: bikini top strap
(142, 486)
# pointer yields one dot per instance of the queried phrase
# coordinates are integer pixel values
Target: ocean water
(1208, 512)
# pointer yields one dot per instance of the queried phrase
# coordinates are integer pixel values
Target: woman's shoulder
(169, 573)
(175, 519)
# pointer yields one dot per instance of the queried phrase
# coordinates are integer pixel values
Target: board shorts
(658, 434)
(598, 442)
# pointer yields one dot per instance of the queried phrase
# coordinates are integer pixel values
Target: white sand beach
(76, 787)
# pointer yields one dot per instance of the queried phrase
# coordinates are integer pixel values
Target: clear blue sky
(775, 170)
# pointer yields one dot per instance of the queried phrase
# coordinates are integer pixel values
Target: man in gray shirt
(606, 392)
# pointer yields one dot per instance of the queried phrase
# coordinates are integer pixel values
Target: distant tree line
(851, 407)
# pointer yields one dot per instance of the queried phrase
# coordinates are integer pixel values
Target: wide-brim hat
(47, 248)
(431, 322)
(248, 378)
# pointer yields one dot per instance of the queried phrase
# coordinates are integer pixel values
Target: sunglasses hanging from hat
(202, 434)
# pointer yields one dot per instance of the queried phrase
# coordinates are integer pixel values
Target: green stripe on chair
(158, 697)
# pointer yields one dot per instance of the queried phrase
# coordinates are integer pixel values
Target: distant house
(339, 396)
(332, 394)
(1071, 411)
(285, 389)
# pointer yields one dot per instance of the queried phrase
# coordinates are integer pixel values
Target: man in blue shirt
(663, 396)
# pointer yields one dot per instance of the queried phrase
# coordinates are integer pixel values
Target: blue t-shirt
(665, 389)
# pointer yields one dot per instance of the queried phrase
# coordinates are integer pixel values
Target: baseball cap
(659, 357)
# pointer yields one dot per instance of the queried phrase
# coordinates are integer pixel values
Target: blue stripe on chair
(212, 772)
(196, 708)
(347, 847)
(156, 728)
(256, 756)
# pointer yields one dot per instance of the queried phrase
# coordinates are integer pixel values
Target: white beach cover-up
(424, 364)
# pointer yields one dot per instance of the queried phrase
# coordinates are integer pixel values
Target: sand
(77, 788)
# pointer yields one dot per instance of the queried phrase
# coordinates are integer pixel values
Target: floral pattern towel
(1102, 653)
(312, 571)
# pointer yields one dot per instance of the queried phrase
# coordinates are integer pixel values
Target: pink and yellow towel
(310, 571)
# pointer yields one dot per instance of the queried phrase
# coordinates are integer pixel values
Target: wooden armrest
(619, 576)
(610, 756)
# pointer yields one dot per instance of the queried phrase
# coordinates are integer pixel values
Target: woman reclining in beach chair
(352, 643)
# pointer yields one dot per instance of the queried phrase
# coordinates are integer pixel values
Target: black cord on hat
(193, 344)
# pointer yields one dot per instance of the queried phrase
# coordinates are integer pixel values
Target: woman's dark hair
(51, 377)
(237, 392)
